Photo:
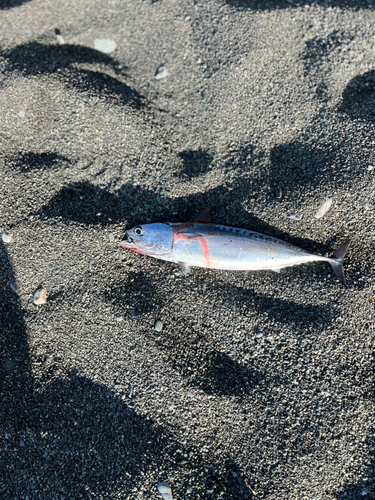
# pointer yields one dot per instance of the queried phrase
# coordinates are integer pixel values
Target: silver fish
(201, 244)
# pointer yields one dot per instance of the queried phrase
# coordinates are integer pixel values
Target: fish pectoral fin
(275, 269)
(185, 268)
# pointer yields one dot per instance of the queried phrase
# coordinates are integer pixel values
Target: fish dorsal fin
(202, 216)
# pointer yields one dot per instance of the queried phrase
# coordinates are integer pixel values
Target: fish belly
(223, 247)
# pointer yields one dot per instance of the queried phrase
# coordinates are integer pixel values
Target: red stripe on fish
(177, 235)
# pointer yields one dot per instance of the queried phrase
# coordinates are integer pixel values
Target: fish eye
(138, 231)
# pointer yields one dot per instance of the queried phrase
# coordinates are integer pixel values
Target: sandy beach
(254, 385)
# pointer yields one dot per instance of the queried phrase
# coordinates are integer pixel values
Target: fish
(199, 243)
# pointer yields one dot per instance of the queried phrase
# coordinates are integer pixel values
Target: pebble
(189, 489)
(161, 73)
(370, 167)
(14, 288)
(351, 65)
(165, 491)
(22, 444)
(365, 492)
(133, 314)
(40, 296)
(323, 209)
(120, 318)
(21, 114)
(111, 237)
(105, 45)
(294, 216)
(158, 325)
(6, 237)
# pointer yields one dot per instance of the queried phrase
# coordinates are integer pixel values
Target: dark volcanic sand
(259, 386)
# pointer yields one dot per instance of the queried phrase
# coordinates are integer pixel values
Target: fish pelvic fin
(336, 262)
(185, 268)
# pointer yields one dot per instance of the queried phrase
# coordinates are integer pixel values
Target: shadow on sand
(358, 99)
(27, 162)
(10, 4)
(69, 434)
(190, 348)
(67, 63)
(194, 163)
(62, 434)
(287, 4)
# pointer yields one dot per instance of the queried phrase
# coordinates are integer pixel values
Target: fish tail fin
(336, 262)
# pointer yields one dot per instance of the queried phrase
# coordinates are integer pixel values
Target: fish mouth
(128, 242)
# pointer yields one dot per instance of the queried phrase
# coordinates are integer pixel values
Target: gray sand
(258, 386)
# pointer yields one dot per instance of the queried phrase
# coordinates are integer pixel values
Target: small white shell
(323, 209)
(40, 296)
(161, 73)
(7, 238)
(105, 45)
(60, 40)
(165, 490)
(158, 325)
(294, 216)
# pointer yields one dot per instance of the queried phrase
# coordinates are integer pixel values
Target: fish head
(149, 239)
